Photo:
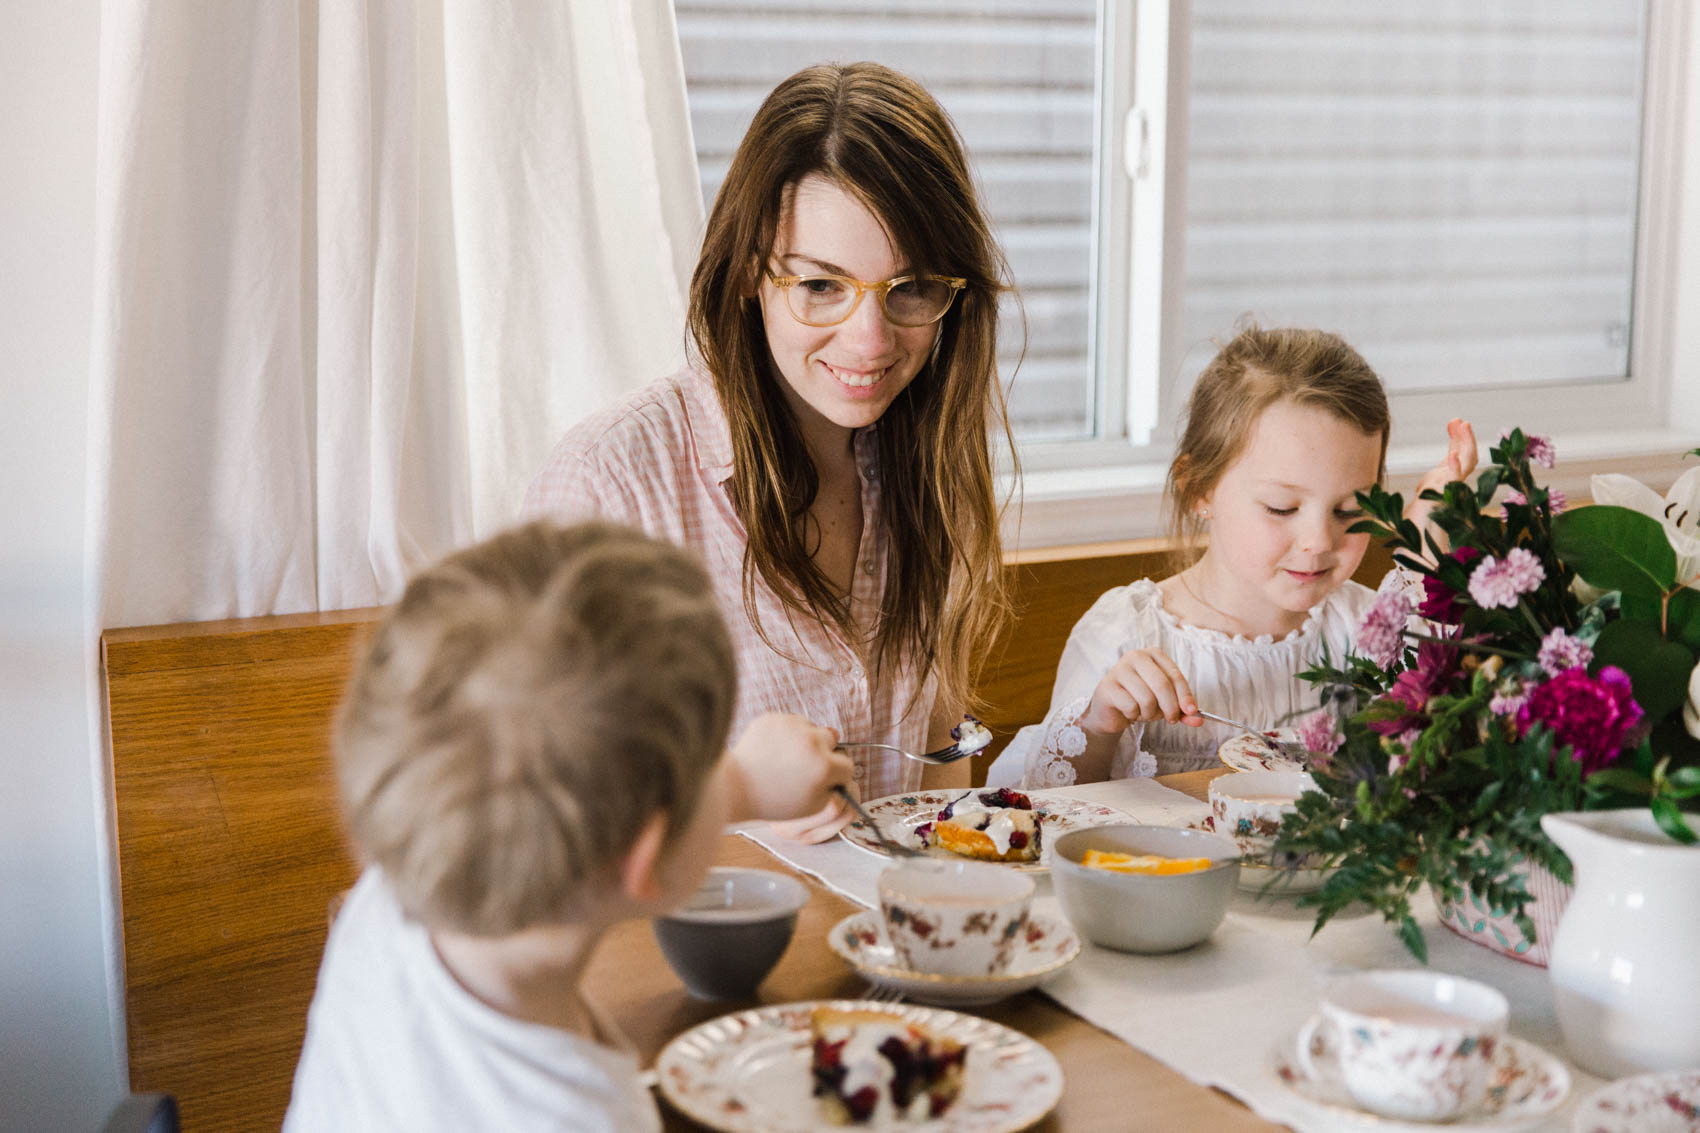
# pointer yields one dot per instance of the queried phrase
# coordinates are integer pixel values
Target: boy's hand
(1143, 686)
(785, 768)
(1459, 463)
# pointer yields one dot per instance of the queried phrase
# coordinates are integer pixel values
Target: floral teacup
(954, 918)
(1407, 1044)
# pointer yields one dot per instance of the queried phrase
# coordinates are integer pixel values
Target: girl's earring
(1204, 514)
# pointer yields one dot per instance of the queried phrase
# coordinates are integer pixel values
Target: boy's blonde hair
(526, 707)
(1252, 372)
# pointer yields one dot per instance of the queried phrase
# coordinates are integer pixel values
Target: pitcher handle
(1306, 1035)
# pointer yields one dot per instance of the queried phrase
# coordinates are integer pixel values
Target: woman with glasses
(827, 451)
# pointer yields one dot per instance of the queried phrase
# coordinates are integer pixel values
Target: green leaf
(1658, 669)
(1615, 548)
(1412, 936)
(1621, 779)
(1671, 822)
(1683, 617)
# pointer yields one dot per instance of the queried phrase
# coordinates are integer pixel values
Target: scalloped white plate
(1244, 753)
(748, 1072)
(899, 815)
(1646, 1103)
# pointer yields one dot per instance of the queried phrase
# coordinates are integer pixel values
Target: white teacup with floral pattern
(1407, 1044)
(954, 918)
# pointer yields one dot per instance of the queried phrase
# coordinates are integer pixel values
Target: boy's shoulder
(394, 1041)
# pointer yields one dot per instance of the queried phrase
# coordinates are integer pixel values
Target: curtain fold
(360, 263)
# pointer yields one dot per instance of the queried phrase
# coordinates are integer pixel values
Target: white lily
(1678, 510)
(1691, 706)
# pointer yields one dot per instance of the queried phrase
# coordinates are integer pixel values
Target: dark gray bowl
(727, 937)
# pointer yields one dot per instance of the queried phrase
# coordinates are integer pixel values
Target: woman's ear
(750, 278)
(640, 869)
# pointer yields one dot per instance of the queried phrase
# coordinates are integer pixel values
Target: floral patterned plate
(1528, 1084)
(1246, 753)
(1048, 947)
(899, 815)
(748, 1072)
(1646, 1103)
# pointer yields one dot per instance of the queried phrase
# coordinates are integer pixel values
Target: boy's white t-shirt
(394, 1042)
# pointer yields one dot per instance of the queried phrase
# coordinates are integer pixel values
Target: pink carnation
(1555, 501)
(1317, 733)
(1507, 703)
(1381, 635)
(1560, 651)
(1537, 447)
(1501, 583)
(1591, 715)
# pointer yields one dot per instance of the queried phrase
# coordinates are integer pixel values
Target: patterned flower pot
(1475, 920)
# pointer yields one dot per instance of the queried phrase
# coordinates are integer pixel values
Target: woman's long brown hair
(882, 137)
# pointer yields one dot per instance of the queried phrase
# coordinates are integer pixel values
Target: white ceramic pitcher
(1625, 963)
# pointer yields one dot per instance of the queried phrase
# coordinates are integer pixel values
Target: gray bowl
(1135, 912)
(727, 937)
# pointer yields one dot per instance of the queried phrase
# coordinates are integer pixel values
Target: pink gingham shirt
(659, 461)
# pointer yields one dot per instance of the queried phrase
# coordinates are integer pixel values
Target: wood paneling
(229, 850)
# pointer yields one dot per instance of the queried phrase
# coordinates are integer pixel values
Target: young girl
(827, 453)
(1284, 427)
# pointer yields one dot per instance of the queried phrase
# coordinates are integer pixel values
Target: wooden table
(1108, 1084)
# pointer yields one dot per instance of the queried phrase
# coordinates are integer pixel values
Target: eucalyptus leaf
(1658, 669)
(1671, 822)
(1615, 548)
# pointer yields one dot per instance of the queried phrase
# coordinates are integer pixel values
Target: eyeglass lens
(822, 300)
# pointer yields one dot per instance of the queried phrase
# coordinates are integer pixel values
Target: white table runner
(1216, 1012)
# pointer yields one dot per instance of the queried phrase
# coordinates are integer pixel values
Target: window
(1480, 196)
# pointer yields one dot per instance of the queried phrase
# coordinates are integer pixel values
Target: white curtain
(359, 264)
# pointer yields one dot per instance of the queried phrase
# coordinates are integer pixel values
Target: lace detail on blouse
(1051, 764)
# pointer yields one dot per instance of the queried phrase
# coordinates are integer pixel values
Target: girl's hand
(784, 767)
(1143, 686)
(817, 827)
(1459, 463)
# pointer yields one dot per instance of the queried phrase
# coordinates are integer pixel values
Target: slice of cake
(870, 1064)
(995, 826)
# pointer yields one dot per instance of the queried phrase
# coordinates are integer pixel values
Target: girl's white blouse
(1250, 679)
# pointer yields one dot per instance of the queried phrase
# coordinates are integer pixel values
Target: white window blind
(1450, 185)
(1017, 76)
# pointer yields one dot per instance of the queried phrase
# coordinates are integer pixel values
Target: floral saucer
(1527, 1086)
(1048, 947)
(1646, 1103)
(899, 815)
(1248, 753)
(748, 1072)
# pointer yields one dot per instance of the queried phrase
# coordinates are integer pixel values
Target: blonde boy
(530, 751)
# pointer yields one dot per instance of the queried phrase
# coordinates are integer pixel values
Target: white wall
(58, 1056)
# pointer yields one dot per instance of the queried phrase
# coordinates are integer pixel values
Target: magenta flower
(1317, 733)
(1502, 583)
(1593, 716)
(1561, 652)
(1437, 665)
(1381, 635)
(1439, 602)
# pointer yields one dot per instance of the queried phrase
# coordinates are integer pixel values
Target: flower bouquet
(1547, 664)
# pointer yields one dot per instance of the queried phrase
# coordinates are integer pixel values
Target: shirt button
(856, 674)
(868, 568)
(856, 773)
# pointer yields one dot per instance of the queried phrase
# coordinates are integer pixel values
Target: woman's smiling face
(843, 377)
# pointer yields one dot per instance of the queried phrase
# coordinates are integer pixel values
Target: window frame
(1109, 487)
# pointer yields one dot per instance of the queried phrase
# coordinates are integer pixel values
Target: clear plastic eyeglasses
(908, 300)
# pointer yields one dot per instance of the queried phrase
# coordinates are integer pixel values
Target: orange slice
(1142, 863)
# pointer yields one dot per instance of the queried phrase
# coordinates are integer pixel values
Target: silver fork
(881, 993)
(895, 849)
(1285, 748)
(972, 737)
